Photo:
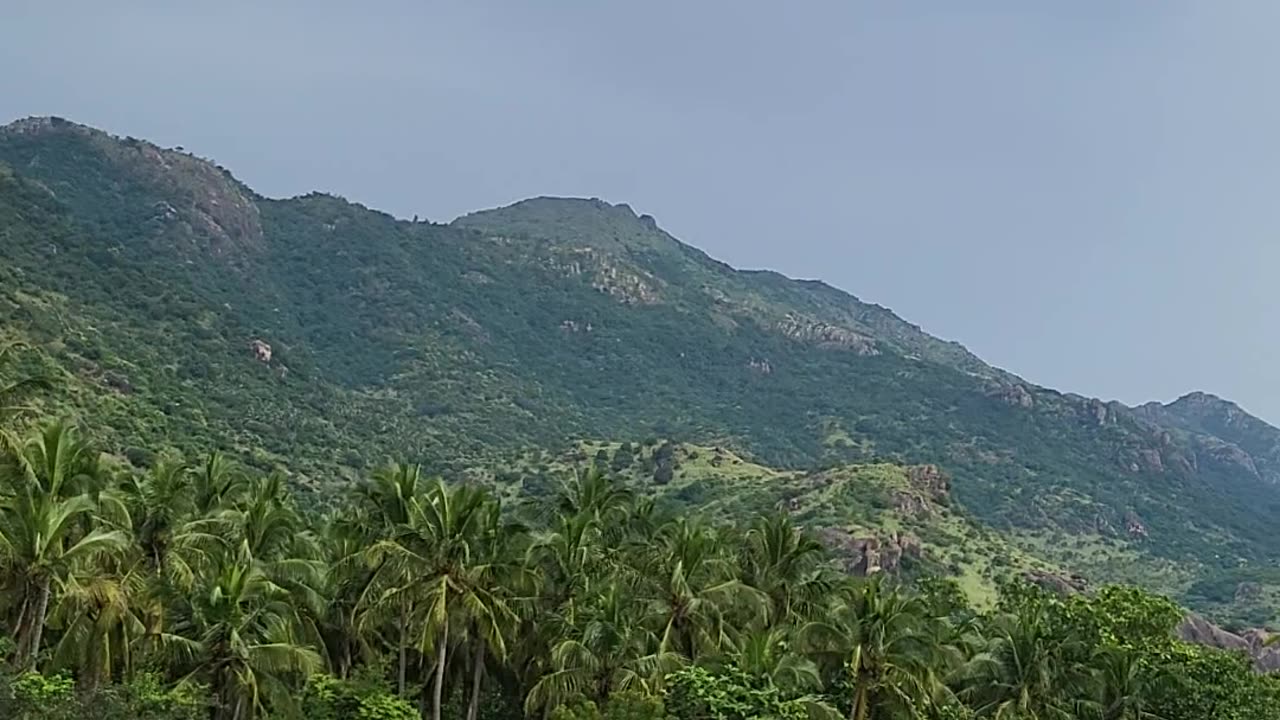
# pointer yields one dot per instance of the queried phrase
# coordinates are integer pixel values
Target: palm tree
(886, 644)
(433, 561)
(1125, 685)
(382, 505)
(500, 574)
(239, 632)
(1031, 670)
(693, 589)
(773, 654)
(785, 563)
(218, 484)
(173, 538)
(610, 650)
(99, 616)
(48, 526)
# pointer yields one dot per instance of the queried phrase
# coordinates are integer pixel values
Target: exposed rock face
(194, 199)
(1061, 584)
(867, 555)
(575, 326)
(1134, 526)
(1015, 394)
(261, 351)
(930, 480)
(1196, 629)
(815, 332)
(626, 284)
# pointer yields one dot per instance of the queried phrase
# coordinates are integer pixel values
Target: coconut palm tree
(239, 633)
(1125, 685)
(693, 590)
(786, 564)
(886, 644)
(1032, 669)
(434, 562)
(381, 506)
(48, 526)
(610, 650)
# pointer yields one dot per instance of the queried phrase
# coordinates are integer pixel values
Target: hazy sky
(1083, 192)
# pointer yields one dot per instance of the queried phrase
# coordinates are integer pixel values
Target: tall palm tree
(100, 616)
(785, 563)
(382, 506)
(499, 573)
(167, 528)
(239, 632)
(885, 642)
(433, 560)
(1032, 669)
(48, 526)
(611, 650)
(693, 589)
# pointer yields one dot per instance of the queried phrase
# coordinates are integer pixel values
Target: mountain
(180, 308)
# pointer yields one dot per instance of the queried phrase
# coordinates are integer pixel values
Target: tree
(885, 643)
(48, 526)
(433, 562)
(1031, 669)
(785, 564)
(608, 650)
(239, 632)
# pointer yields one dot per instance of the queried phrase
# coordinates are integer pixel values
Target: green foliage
(328, 698)
(697, 694)
(138, 278)
(150, 582)
(33, 696)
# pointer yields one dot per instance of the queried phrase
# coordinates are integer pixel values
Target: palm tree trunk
(860, 701)
(442, 646)
(404, 651)
(473, 709)
(33, 633)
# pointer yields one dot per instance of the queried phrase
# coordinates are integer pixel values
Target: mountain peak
(590, 222)
(188, 199)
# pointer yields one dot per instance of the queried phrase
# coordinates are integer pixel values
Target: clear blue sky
(1082, 192)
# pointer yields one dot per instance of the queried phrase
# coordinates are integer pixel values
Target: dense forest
(197, 588)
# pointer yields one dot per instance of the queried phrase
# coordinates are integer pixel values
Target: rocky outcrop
(1134, 526)
(625, 283)
(1015, 394)
(867, 555)
(261, 351)
(815, 332)
(1196, 629)
(930, 480)
(1063, 584)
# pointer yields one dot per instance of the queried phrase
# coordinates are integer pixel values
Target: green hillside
(153, 283)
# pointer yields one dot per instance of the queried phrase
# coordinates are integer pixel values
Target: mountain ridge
(148, 278)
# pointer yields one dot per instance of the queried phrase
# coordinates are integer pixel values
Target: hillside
(179, 307)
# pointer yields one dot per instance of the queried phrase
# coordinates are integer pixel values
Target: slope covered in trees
(202, 589)
(176, 308)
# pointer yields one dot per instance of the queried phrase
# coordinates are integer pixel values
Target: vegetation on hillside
(202, 589)
(140, 278)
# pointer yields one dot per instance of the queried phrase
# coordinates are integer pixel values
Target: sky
(1082, 192)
